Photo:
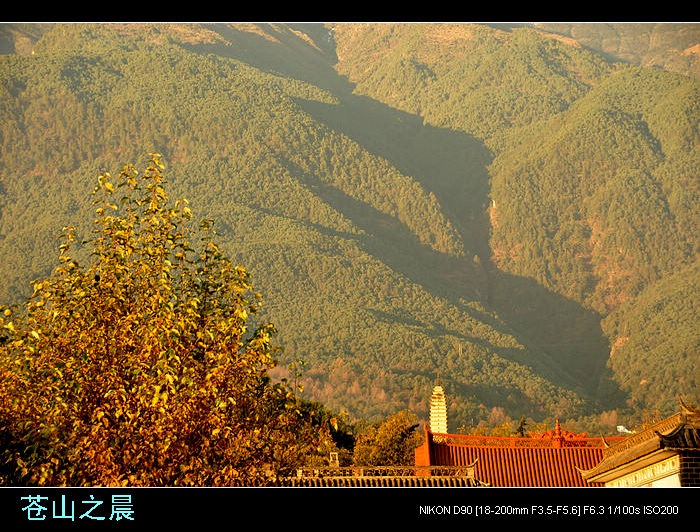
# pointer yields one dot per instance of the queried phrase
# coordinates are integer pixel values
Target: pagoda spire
(438, 410)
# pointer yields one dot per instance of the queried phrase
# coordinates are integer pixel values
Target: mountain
(502, 207)
(673, 47)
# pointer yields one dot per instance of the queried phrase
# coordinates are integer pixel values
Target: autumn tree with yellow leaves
(140, 369)
(390, 442)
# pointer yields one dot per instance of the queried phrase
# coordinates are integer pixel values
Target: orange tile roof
(522, 466)
(538, 461)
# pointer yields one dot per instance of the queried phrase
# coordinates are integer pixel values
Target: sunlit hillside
(513, 209)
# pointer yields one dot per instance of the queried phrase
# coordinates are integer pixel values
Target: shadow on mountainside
(453, 166)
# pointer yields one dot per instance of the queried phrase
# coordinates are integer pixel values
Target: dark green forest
(508, 208)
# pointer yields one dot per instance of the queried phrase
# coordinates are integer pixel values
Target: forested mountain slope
(412, 200)
(593, 186)
(673, 47)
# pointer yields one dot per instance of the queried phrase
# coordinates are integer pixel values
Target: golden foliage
(140, 369)
(392, 442)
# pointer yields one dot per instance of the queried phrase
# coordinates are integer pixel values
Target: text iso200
(660, 510)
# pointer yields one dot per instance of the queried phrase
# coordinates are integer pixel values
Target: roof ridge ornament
(686, 409)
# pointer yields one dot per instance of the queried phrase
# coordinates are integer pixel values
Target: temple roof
(679, 432)
(552, 458)
(524, 466)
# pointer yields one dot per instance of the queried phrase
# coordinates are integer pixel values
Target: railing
(496, 441)
(386, 471)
